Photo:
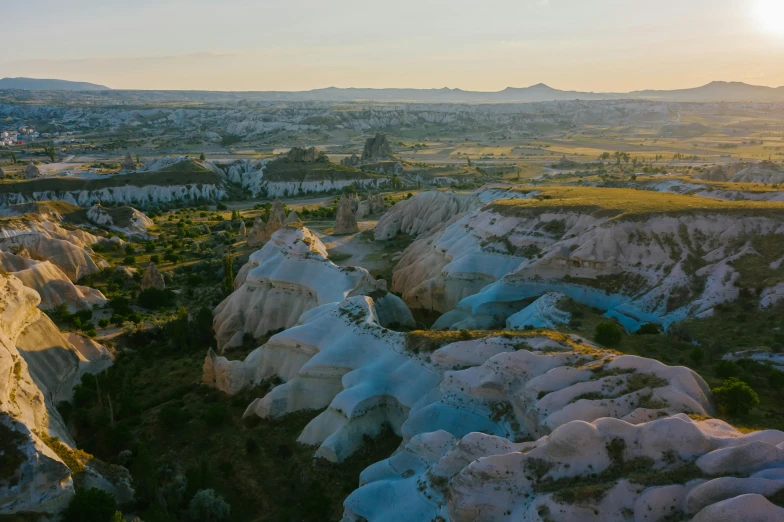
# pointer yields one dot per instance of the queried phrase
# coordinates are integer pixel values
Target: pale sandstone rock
(289, 275)
(152, 278)
(345, 222)
(133, 222)
(243, 230)
(53, 286)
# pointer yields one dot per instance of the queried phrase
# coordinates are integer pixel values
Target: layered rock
(423, 213)
(38, 368)
(668, 266)
(69, 250)
(341, 357)
(376, 148)
(289, 275)
(127, 220)
(345, 221)
(673, 468)
(51, 284)
(152, 278)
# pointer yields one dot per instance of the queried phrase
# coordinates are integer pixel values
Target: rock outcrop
(339, 356)
(257, 234)
(304, 155)
(38, 368)
(128, 163)
(243, 231)
(152, 278)
(31, 171)
(345, 221)
(350, 161)
(483, 265)
(424, 213)
(288, 276)
(127, 220)
(292, 218)
(377, 148)
(51, 284)
(683, 470)
(42, 240)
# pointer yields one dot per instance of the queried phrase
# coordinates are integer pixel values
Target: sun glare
(770, 16)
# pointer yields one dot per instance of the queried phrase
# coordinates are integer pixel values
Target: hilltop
(41, 84)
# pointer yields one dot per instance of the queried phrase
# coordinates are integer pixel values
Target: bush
(155, 258)
(153, 299)
(649, 329)
(608, 334)
(103, 322)
(697, 356)
(726, 369)
(735, 397)
(207, 506)
(90, 505)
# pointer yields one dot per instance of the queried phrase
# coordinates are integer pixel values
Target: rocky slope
(656, 265)
(127, 220)
(287, 276)
(51, 284)
(37, 238)
(38, 368)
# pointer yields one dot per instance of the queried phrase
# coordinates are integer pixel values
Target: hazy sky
(592, 45)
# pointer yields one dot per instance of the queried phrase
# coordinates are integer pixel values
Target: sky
(485, 45)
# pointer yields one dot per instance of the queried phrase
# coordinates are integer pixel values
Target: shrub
(152, 298)
(129, 260)
(608, 334)
(103, 322)
(155, 258)
(726, 369)
(735, 397)
(90, 505)
(649, 329)
(207, 506)
(697, 356)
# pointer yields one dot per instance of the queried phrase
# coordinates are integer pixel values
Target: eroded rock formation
(377, 148)
(345, 221)
(152, 278)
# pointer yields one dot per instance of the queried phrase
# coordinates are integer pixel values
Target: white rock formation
(54, 287)
(423, 213)
(127, 220)
(486, 478)
(69, 250)
(38, 368)
(668, 267)
(340, 357)
(289, 275)
(542, 313)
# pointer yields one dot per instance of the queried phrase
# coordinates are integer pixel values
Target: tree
(202, 156)
(228, 275)
(145, 482)
(90, 505)
(735, 397)
(605, 156)
(608, 334)
(49, 151)
(208, 506)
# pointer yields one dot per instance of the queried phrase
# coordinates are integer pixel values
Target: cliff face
(289, 275)
(661, 268)
(38, 368)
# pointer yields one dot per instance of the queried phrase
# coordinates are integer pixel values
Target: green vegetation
(621, 203)
(92, 505)
(608, 334)
(735, 397)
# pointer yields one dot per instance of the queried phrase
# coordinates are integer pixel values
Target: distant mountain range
(36, 84)
(712, 92)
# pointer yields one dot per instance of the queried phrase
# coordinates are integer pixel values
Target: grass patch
(622, 203)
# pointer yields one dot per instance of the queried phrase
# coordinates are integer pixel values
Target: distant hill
(40, 84)
(717, 91)
(712, 92)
